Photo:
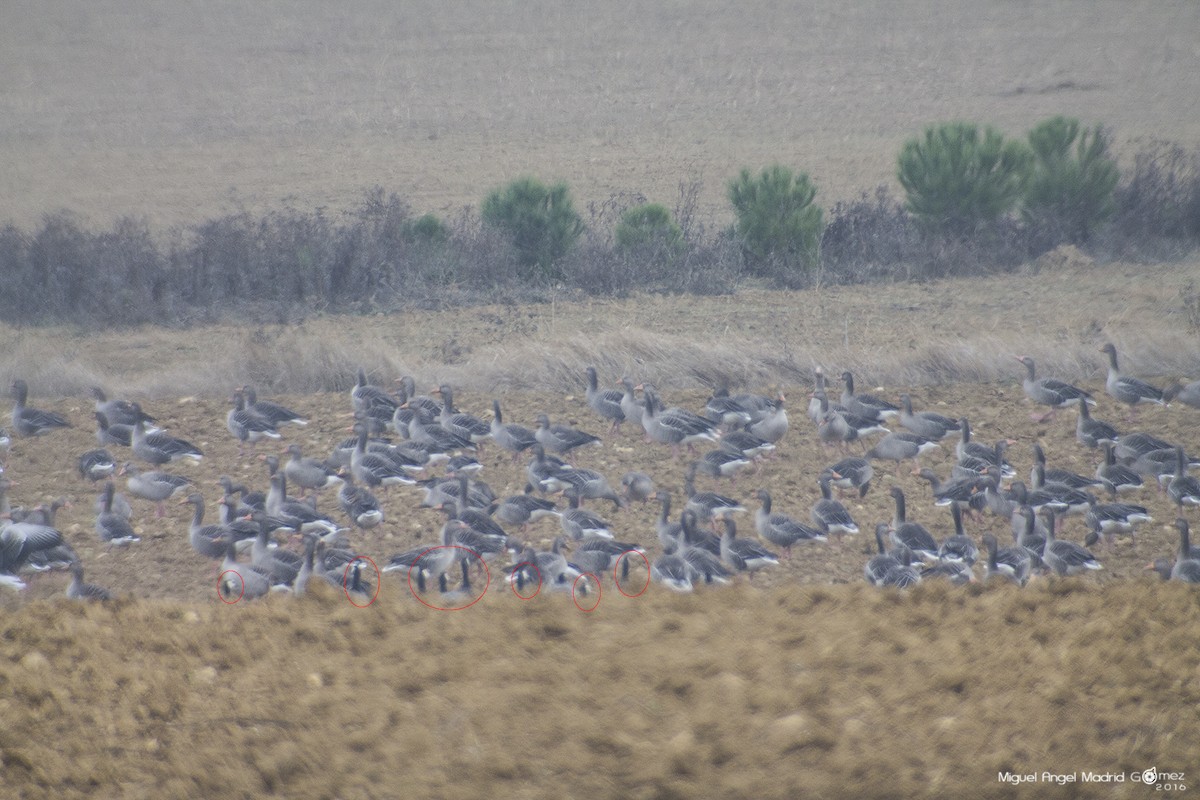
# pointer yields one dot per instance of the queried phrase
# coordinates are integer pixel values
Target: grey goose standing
(28, 421)
(605, 402)
(1050, 391)
(1126, 388)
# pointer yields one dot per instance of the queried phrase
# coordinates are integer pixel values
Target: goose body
(77, 589)
(115, 412)
(111, 527)
(931, 425)
(605, 402)
(153, 485)
(958, 547)
(1183, 489)
(309, 473)
(246, 426)
(830, 516)
(638, 486)
(468, 426)
(1116, 477)
(96, 465)
(1066, 558)
(1091, 432)
(28, 421)
(561, 438)
(161, 448)
(1125, 388)
(780, 529)
(865, 405)
(851, 473)
(1012, 563)
(882, 562)
(1187, 566)
(901, 446)
(273, 413)
(675, 426)
(912, 535)
(1049, 391)
(707, 505)
(509, 436)
(744, 555)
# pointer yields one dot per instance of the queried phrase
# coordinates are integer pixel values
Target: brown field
(806, 683)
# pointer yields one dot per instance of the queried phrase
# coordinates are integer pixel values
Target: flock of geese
(271, 540)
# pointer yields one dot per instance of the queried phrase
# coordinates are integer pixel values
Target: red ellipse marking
(471, 554)
(618, 566)
(346, 576)
(574, 592)
(539, 580)
(221, 577)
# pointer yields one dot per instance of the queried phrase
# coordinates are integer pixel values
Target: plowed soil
(805, 681)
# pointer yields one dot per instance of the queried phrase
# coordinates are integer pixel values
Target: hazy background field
(175, 111)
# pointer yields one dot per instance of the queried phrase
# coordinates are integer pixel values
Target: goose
(1012, 563)
(430, 560)
(587, 484)
(521, 509)
(773, 424)
(365, 396)
(1188, 395)
(246, 426)
(702, 553)
(1050, 391)
(161, 448)
(111, 527)
(707, 505)
(899, 446)
(1032, 534)
(744, 555)
(913, 535)
(692, 536)
(598, 555)
(116, 412)
(1066, 558)
(372, 469)
(667, 530)
(116, 435)
(865, 405)
(630, 405)
(1187, 565)
(903, 574)
(273, 413)
(1127, 389)
(579, 522)
(19, 541)
(990, 455)
(96, 465)
(747, 445)
(543, 471)
(468, 426)
(436, 438)
(606, 403)
(638, 486)
(1056, 497)
(780, 529)
(721, 409)
(28, 421)
(309, 473)
(358, 504)
(830, 516)
(672, 571)
(956, 572)
(282, 566)
(483, 534)
(946, 493)
(836, 427)
(77, 589)
(426, 407)
(561, 438)
(514, 438)
(675, 426)
(1183, 489)
(721, 463)
(154, 485)
(1132, 446)
(238, 524)
(958, 547)
(439, 491)
(931, 425)
(242, 581)
(295, 514)
(1106, 520)
(1091, 432)
(207, 540)
(1061, 477)
(851, 473)
(120, 505)
(1115, 477)
(882, 562)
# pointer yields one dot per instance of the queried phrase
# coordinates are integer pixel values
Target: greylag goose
(606, 402)
(154, 485)
(949, 492)
(246, 426)
(773, 424)
(309, 473)
(579, 522)
(1188, 395)
(931, 425)
(707, 506)
(111, 527)
(1131, 446)
(373, 469)
(273, 413)
(1106, 520)
(367, 397)
(830, 516)
(900, 446)
(1187, 565)
(672, 571)
(19, 541)
(1031, 535)
(426, 407)
(913, 535)
(116, 412)
(1183, 489)
(667, 530)
(28, 421)
(1050, 391)
(281, 566)
(295, 515)
(958, 547)
(630, 405)
(514, 438)
(1012, 563)
(744, 555)
(780, 529)
(241, 581)
(1058, 476)
(1125, 388)
(587, 484)
(851, 473)
(966, 449)
(96, 465)
(865, 405)
(77, 589)
(160, 448)
(702, 554)
(882, 562)
(746, 444)
(841, 427)
(1092, 432)
(675, 426)
(109, 434)
(358, 504)
(956, 572)
(521, 509)
(1066, 558)
(468, 426)
(693, 537)
(207, 540)
(638, 486)
(561, 438)
(598, 555)
(1115, 477)
(721, 463)
(436, 439)
(724, 410)
(1058, 497)
(430, 560)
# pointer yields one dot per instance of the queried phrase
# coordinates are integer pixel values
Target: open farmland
(807, 682)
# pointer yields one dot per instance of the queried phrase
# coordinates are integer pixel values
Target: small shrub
(1069, 191)
(1161, 196)
(957, 178)
(426, 229)
(540, 222)
(777, 222)
(868, 238)
(647, 231)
